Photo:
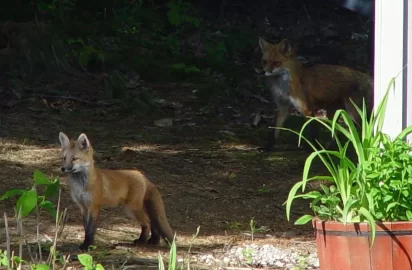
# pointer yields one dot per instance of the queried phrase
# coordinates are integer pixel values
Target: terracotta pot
(347, 246)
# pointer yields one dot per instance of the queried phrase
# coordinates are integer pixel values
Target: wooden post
(407, 121)
(393, 49)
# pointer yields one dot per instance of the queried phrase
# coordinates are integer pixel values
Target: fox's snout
(67, 169)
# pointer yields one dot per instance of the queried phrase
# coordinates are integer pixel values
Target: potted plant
(362, 217)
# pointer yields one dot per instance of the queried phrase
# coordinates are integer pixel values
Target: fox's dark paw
(85, 246)
(153, 241)
(140, 241)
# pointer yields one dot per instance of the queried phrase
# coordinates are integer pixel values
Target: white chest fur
(78, 185)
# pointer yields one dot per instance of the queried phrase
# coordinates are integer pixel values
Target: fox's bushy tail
(158, 216)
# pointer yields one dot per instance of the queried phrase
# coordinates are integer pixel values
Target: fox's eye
(276, 63)
(264, 62)
(75, 158)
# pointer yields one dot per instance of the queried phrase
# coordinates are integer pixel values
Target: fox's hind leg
(154, 238)
(144, 222)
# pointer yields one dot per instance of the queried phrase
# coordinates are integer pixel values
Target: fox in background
(308, 89)
(92, 188)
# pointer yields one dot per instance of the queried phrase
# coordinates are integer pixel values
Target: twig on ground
(307, 13)
(6, 227)
(38, 232)
(101, 103)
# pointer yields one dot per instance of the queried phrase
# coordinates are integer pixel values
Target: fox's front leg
(90, 217)
(273, 134)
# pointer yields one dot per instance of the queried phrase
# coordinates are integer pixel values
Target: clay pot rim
(332, 222)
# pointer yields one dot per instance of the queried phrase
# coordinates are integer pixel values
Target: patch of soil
(209, 178)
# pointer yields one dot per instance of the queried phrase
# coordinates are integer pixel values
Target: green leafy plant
(172, 258)
(252, 225)
(248, 254)
(263, 189)
(85, 53)
(217, 53)
(302, 263)
(58, 9)
(179, 13)
(372, 187)
(87, 261)
(186, 68)
(32, 200)
(172, 265)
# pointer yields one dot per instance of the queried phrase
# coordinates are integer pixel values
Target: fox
(310, 88)
(93, 188)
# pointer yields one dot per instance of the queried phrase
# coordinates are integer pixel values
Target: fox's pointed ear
(64, 140)
(284, 47)
(83, 142)
(263, 44)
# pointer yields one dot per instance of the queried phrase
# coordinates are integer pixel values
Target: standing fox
(92, 188)
(309, 89)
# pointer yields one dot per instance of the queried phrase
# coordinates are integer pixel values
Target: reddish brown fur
(102, 187)
(321, 86)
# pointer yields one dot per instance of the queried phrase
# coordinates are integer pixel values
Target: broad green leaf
(49, 206)
(387, 197)
(409, 214)
(52, 189)
(99, 267)
(391, 205)
(85, 259)
(26, 203)
(42, 266)
(4, 260)
(11, 193)
(324, 188)
(40, 178)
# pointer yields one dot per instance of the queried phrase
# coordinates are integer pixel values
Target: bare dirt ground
(206, 166)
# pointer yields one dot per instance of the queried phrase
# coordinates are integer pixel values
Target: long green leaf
(404, 133)
(303, 219)
(346, 209)
(291, 196)
(365, 213)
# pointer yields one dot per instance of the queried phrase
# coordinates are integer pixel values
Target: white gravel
(267, 256)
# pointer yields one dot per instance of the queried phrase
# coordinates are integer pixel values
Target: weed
(31, 201)
(248, 254)
(172, 265)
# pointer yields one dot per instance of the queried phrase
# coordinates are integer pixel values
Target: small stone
(164, 122)
(227, 132)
